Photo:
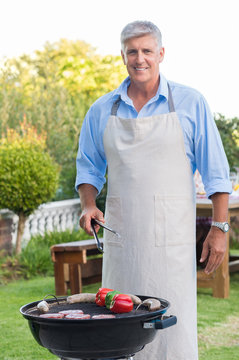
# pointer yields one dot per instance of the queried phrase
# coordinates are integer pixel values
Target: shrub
(28, 175)
(35, 258)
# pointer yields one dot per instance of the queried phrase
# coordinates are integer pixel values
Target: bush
(35, 258)
(28, 175)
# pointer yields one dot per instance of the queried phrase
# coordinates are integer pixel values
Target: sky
(200, 37)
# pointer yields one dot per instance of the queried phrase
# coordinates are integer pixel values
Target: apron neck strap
(115, 106)
(171, 107)
(170, 100)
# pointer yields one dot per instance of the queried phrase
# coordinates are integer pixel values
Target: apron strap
(170, 100)
(171, 107)
(115, 106)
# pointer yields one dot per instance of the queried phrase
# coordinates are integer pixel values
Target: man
(153, 134)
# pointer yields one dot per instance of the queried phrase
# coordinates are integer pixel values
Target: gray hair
(139, 28)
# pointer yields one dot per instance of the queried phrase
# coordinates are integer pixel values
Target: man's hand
(86, 216)
(90, 211)
(214, 249)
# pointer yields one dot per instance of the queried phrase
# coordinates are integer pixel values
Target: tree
(229, 131)
(54, 88)
(28, 175)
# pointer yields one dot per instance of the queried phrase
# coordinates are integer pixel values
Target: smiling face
(142, 57)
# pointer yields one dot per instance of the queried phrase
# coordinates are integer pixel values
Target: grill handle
(162, 323)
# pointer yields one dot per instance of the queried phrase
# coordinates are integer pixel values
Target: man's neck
(140, 93)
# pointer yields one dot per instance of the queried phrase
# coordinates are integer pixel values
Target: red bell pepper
(100, 296)
(121, 303)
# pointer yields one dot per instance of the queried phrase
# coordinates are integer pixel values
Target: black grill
(92, 339)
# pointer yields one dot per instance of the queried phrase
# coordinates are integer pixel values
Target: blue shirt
(203, 144)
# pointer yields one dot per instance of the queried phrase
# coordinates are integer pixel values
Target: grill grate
(87, 308)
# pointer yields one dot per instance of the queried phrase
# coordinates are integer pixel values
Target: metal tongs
(93, 223)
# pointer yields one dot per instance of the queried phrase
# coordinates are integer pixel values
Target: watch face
(226, 227)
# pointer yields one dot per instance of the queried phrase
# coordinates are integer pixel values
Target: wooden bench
(73, 266)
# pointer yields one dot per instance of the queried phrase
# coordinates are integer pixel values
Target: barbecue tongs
(93, 223)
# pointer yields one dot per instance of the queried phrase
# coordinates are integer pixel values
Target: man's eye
(130, 52)
(147, 51)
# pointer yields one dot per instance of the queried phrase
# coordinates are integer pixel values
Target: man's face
(142, 57)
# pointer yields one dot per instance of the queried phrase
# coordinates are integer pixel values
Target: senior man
(152, 134)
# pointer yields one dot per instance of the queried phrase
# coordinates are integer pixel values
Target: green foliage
(229, 131)
(28, 175)
(54, 89)
(234, 243)
(36, 259)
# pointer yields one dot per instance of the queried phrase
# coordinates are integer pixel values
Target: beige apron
(151, 203)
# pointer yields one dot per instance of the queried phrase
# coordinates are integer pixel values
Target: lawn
(218, 321)
(218, 324)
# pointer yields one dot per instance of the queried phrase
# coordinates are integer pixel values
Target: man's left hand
(214, 248)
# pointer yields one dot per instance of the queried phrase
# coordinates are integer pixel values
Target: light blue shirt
(203, 144)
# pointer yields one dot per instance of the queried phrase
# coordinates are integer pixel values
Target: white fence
(57, 215)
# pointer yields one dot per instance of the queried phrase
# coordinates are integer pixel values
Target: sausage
(73, 312)
(103, 316)
(152, 304)
(52, 316)
(77, 316)
(136, 300)
(84, 297)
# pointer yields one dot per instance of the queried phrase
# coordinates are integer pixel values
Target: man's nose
(140, 57)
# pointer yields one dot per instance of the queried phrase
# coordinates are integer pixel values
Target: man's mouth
(140, 69)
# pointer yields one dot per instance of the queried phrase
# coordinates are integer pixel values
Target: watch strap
(221, 225)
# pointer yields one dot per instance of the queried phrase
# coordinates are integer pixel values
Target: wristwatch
(224, 226)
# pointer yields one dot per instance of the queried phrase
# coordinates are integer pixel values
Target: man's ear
(161, 54)
(123, 57)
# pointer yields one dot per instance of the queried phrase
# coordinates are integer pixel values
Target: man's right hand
(90, 211)
(86, 216)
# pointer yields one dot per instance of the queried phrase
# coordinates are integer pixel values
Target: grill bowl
(122, 336)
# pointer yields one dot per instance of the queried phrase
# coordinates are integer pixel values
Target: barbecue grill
(91, 339)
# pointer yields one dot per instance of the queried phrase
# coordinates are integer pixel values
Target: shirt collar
(122, 91)
(161, 92)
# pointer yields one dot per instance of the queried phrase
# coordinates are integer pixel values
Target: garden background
(51, 89)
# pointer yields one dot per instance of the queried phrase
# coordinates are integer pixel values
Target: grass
(218, 324)
(16, 341)
(218, 321)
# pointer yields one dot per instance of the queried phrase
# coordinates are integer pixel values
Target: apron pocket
(174, 218)
(113, 218)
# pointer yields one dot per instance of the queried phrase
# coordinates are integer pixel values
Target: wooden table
(219, 281)
(72, 265)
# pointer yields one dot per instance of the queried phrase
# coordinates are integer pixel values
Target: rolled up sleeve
(90, 161)
(210, 156)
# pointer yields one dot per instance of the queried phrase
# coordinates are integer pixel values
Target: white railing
(57, 215)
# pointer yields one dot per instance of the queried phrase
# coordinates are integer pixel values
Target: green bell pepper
(109, 297)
